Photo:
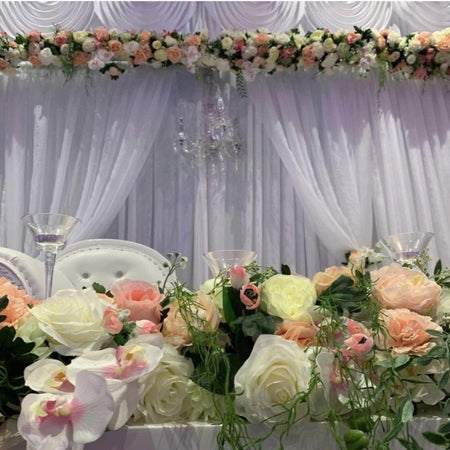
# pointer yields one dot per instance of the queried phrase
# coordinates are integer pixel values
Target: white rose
(205, 404)
(73, 321)
(414, 45)
(411, 59)
(65, 49)
(30, 331)
(156, 45)
(329, 45)
(393, 38)
(318, 50)
(161, 55)
(210, 288)
(170, 41)
(276, 370)
(249, 52)
(46, 56)
(299, 40)
(330, 60)
(282, 39)
(130, 47)
(288, 296)
(125, 37)
(274, 53)
(164, 396)
(223, 65)
(227, 43)
(88, 45)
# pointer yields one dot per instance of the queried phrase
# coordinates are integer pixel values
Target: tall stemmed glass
(219, 260)
(50, 232)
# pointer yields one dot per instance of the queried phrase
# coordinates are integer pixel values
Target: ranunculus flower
(323, 280)
(405, 332)
(141, 298)
(238, 276)
(57, 421)
(288, 296)
(73, 321)
(164, 396)
(249, 295)
(175, 329)
(276, 370)
(18, 305)
(303, 333)
(399, 287)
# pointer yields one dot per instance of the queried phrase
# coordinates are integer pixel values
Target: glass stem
(49, 266)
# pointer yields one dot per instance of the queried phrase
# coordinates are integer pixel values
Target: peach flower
(406, 332)
(140, 57)
(145, 36)
(140, 298)
(351, 37)
(115, 46)
(111, 320)
(18, 305)
(80, 58)
(323, 280)
(443, 45)
(250, 296)
(101, 34)
(309, 57)
(420, 73)
(238, 276)
(33, 59)
(175, 330)
(424, 39)
(261, 38)
(3, 64)
(174, 54)
(399, 287)
(62, 37)
(303, 333)
(195, 40)
(34, 35)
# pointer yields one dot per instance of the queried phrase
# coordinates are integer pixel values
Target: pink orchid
(249, 296)
(57, 421)
(48, 375)
(238, 276)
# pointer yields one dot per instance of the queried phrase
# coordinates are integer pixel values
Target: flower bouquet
(362, 350)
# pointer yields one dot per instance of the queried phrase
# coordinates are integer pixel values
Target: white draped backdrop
(329, 163)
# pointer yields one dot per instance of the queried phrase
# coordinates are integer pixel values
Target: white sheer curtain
(75, 147)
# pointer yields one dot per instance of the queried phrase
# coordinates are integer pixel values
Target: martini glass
(404, 248)
(220, 260)
(50, 232)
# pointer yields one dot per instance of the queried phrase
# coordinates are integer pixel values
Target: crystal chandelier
(217, 136)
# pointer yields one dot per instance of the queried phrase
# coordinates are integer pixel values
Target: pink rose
(351, 37)
(3, 64)
(146, 327)
(33, 59)
(80, 58)
(405, 332)
(420, 73)
(141, 298)
(115, 46)
(308, 55)
(111, 320)
(145, 36)
(250, 296)
(323, 280)
(303, 333)
(194, 39)
(101, 34)
(114, 71)
(34, 35)
(238, 276)
(174, 54)
(34, 48)
(140, 57)
(61, 38)
(18, 305)
(399, 287)
(175, 330)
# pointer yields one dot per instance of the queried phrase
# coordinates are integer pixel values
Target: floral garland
(418, 55)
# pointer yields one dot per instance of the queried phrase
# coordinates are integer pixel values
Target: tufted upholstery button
(85, 275)
(119, 274)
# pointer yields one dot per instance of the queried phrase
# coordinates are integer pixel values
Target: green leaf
(229, 305)
(285, 269)
(407, 411)
(2, 319)
(400, 362)
(446, 410)
(99, 288)
(434, 438)
(444, 380)
(438, 267)
(436, 333)
(444, 428)
(437, 352)
(3, 302)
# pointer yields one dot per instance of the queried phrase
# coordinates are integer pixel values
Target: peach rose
(309, 58)
(61, 38)
(406, 332)
(323, 280)
(80, 58)
(3, 64)
(424, 39)
(303, 333)
(101, 34)
(140, 57)
(35, 61)
(18, 305)
(174, 54)
(194, 39)
(261, 38)
(115, 46)
(175, 330)
(399, 287)
(140, 298)
(34, 35)
(443, 45)
(145, 36)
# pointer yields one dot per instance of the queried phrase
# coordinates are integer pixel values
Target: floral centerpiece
(362, 348)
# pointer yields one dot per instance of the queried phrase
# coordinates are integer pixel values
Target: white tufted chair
(106, 261)
(28, 273)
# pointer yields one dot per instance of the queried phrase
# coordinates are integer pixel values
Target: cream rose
(274, 373)
(80, 36)
(323, 280)
(73, 321)
(227, 43)
(288, 296)
(161, 55)
(165, 396)
(399, 287)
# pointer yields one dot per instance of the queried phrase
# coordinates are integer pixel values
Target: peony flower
(142, 299)
(249, 296)
(406, 332)
(206, 317)
(164, 396)
(238, 276)
(276, 370)
(323, 280)
(302, 333)
(399, 287)
(73, 321)
(18, 305)
(56, 421)
(288, 296)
